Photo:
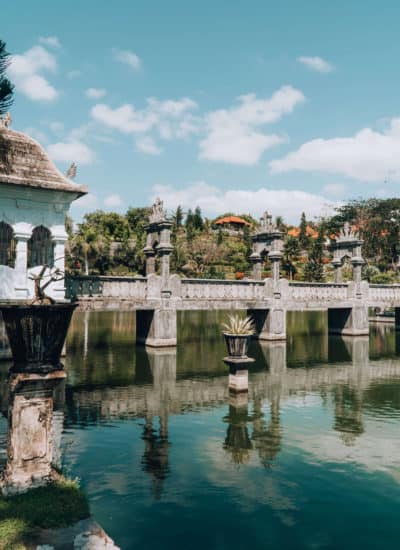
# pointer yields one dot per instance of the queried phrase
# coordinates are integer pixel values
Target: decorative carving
(5, 122)
(158, 213)
(71, 172)
(266, 224)
(347, 233)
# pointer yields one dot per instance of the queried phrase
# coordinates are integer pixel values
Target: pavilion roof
(232, 219)
(23, 161)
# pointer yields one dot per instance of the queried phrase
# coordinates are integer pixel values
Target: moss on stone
(58, 505)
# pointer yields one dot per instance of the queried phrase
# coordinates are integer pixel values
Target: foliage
(314, 268)
(56, 505)
(303, 238)
(6, 88)
(239, 325)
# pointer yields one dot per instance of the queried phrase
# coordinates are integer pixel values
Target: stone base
(156, 328)
(348, 321)
(270, 323)
(229, 360)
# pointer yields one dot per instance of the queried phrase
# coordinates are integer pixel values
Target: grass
(57, 505)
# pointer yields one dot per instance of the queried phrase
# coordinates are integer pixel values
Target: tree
(198, 219)
(314, 269)
(303, 237)
(291, 252)
(6, 88)
(178, 217)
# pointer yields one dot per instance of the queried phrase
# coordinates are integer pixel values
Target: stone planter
(37, 334)
(237, 344)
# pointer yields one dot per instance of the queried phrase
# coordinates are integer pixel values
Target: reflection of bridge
(156, 298)
(169, 395)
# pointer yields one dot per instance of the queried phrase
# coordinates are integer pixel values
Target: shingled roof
(24, 162)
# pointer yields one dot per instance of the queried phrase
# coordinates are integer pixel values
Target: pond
(168, 459)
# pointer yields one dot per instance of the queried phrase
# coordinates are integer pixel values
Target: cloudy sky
(243, 106)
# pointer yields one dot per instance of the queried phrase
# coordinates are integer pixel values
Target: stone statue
(158, 213)
(71, 172)
(6, 121)
(266, 225)
(347, 233)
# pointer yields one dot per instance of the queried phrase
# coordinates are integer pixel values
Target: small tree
(6, 88)
(314, 269)
(198, 219)
(291, 252)
(303, 237)
(178, 217)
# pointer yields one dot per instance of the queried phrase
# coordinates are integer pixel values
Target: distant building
(34, 199)
(232, 224)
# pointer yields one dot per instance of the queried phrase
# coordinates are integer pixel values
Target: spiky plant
(243, 326)
(6, 88)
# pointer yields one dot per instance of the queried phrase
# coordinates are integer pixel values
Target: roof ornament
(347, 232)
(266, 224)
(71, 172)
(158, 213)
(5, 122)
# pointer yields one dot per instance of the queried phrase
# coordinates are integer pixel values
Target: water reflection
(150, 428)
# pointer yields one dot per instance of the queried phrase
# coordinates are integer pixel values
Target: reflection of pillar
(155, 459)
(30, 424)
(358, 349)
(267, 438)
(237, 441)
(275, 355)
(21, 263)
(348, 413)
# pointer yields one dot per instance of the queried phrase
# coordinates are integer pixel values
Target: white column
(57, 289)
(21, 263)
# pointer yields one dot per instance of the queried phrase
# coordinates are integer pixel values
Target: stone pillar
(397, 318)
(270, 323)
(238, 378)
(30, 429)
(351, 321)
(156, 327)
(275, 258)
(165, 252)
(57, 289)
(21, 263)
(257, 262)
(337, 266)
(357, 263)
(150, 260)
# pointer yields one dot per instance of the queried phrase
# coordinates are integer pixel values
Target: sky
(240, 106)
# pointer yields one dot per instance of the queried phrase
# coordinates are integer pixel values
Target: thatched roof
(24, 162)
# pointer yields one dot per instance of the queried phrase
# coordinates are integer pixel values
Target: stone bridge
(157, 297)
(157, 300)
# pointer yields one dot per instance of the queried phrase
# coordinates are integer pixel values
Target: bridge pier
(270, 323)
(397, 318)
(349, 321)
(156, 327)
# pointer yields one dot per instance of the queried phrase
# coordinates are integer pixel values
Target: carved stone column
(337, 266)
(257, 262)
(57, 289)
(275, 258)
(21, 263)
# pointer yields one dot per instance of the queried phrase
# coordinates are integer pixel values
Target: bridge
(159, 295)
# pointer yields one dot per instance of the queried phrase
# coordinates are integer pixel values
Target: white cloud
(51, 41)
(233, 135)
(95, 93)
(25, 71)
(128, 58)
(287, 203)
(56, 127)
(147, 145)
(113, 200)
(88, 202)
(169, 119)
(72, 151)
(335, 189)
(316, 64)
(368, 156)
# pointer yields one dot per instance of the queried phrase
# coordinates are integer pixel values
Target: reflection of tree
(237, 441)
(348, 413)
(155, 459)
(267, 438)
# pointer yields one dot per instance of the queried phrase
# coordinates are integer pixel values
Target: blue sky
(244, 106)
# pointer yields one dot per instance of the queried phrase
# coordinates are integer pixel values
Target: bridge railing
(318, 291)
(88, 286)
(214, 289)
(384, 293)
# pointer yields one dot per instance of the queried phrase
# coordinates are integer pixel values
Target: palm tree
(6, 88)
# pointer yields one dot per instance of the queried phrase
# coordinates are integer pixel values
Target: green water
(169, 460)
